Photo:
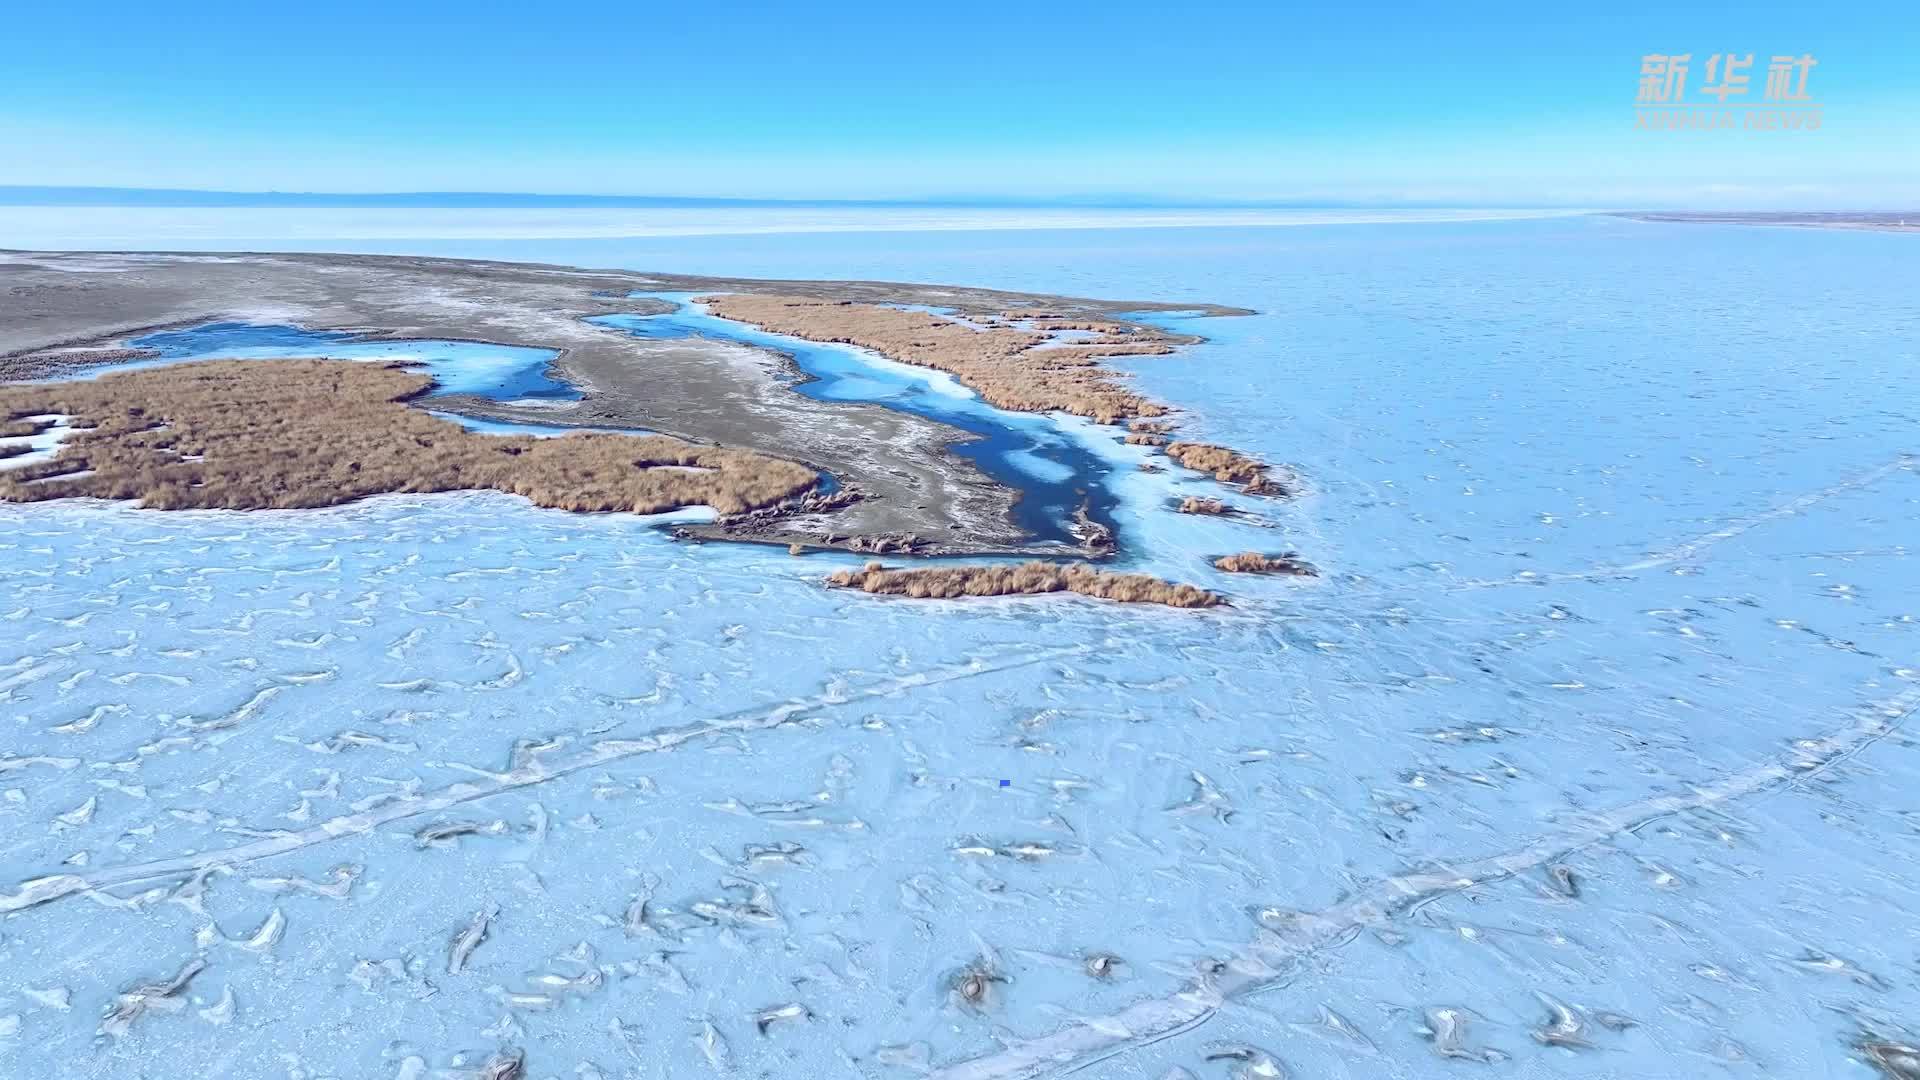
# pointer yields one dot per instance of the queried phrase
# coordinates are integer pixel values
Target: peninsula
(896, 486)
(696, 420)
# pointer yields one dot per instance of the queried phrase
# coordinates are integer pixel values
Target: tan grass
(946, 582)
(1002, 364)
(20, 429)
(1007, 369)
(1253, 562)
(1226, 466)
(306, 433)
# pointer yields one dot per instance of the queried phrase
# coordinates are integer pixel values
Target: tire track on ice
(532, 773)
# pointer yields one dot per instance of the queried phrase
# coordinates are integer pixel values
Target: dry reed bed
(1226, 466)
(1026, 579)
(1006, 367)
(1253, 562)
(1002, 364)
(263, 434)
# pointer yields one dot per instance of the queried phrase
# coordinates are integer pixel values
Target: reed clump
(275, 434)
(1026, 579)
(1226, 466)
(1254, 562)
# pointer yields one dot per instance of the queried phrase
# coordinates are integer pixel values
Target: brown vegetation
(258, 434)
(1006, 366)
(1253, 562)
(1226, 466)
(941, 582)
(1002, 364)
(1193, 504)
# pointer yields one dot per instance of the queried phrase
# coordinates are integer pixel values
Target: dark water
(1054, 476)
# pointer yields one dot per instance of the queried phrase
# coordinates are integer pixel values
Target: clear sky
(1450, 103)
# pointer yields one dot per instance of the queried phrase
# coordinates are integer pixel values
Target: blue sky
(1435, 103)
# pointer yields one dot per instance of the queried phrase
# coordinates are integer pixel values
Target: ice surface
(328, 228)
(42, 446)
(1589, 755)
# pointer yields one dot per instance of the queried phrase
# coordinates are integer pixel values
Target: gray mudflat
(63, 310)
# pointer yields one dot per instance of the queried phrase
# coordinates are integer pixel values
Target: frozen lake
(1588, 756)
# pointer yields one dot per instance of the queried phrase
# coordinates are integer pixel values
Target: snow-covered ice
(1588, 756)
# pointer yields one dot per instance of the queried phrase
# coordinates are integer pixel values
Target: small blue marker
(1006, 783)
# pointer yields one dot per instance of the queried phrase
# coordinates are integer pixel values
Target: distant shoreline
(45, 195)
(1868, 221)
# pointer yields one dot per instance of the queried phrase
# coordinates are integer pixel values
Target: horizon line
(103, 195)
